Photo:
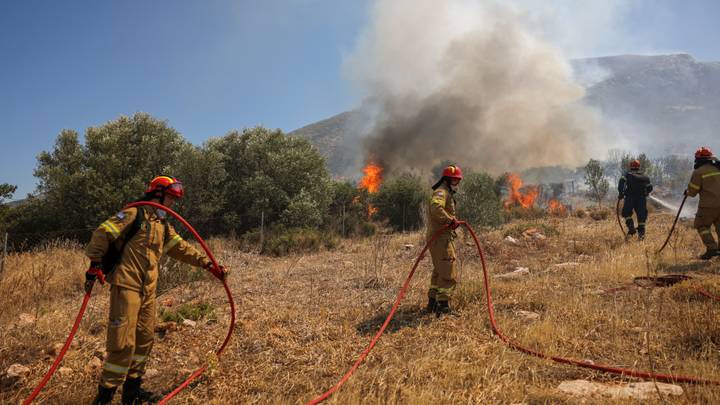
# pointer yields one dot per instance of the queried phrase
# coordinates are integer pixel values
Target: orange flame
(555, 207)
(372, 210)
(372, 179)
(517, 197)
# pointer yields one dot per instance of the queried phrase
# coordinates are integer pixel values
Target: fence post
(343, 221)
(262, 229)
(2, 262)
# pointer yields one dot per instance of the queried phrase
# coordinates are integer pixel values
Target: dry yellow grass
(303, 320)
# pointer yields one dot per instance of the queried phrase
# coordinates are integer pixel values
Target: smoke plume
(467, 82)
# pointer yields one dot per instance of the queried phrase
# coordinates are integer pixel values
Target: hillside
(663, 104)
(303, 320)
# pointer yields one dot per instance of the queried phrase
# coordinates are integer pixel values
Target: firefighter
(441, 212)
(139, 237)
(634, 187)
(705, 181)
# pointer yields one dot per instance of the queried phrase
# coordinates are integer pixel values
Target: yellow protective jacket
(138, 266)
(705, 181)
(441, 210)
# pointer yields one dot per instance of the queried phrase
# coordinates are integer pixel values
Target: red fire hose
(194, 375)
(672, 229)
(498, 332)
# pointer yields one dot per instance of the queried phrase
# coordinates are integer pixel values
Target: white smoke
(479, 83)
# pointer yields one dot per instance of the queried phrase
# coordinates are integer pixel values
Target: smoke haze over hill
(468, 82)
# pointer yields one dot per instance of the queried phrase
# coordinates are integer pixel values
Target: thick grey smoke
(468, 82)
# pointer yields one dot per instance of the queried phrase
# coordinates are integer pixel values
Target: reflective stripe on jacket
(138, 266)
(705, 181)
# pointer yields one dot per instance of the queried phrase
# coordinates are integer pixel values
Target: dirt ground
(302, 320)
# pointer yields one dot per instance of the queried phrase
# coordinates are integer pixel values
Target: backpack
(113, 255)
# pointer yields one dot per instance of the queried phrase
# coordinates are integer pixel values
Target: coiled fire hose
(498, 332)
(86, 298)
(672, 228)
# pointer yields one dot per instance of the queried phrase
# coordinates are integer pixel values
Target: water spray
(672, 229)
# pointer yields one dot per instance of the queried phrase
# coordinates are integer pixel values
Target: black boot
(641, 233)
(432, 305)
(104, 395)
(710, 254)
(133, 394)
(443, 308)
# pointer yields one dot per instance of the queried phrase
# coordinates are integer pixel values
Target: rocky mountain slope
(661, 104)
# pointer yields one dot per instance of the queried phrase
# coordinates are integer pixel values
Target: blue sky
(211, 66)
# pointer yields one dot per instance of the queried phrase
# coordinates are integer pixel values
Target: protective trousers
(130, 335)
(704, 220)
(639, 206)
(444, 275)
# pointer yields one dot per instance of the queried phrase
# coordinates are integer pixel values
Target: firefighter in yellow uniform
(441, 212)
(133, 279)
(705, 181)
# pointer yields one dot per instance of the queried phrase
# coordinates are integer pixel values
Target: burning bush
(348, 211)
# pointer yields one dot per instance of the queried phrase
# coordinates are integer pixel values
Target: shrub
(399, 201)
(280, 241)
(193, 312)
(478, 202)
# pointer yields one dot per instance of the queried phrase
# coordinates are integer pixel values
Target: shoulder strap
(134, 228)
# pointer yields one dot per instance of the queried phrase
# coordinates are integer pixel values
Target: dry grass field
(302, 320)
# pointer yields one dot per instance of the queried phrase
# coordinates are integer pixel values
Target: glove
(217, 271)
(454, 224)
(94, 272)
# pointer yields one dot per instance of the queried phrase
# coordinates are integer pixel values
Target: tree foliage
(400, 200)
(596, 181)
(478, 202)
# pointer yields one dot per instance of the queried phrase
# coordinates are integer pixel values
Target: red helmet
(166, 184)
(453, 172)
(635, 164)
(703, 153)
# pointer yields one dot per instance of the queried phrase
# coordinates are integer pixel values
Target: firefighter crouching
(139, 237)
(634, 187)
(441, 212)
(705, 181)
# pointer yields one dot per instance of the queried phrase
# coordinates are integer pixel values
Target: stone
(528, 315)
(511, 240)
(533, 233)
(151, 372)
(189, 322)
(65, 371)
(518, 272)
(17, 371)
(93, 365)
(26, 319)
(638, 391)
(563, 266)
(409, 246)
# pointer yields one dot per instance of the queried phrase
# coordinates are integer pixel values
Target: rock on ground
(518, 272)
(641, 390)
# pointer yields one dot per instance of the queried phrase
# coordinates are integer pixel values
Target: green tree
(123, 155)
(478, 202)
(596, 181)
(6, 193)
(266, 172)
(399, 200)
